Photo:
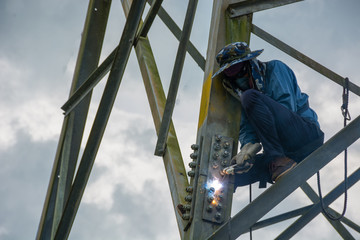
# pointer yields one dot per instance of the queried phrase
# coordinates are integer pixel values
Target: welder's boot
(280, 166)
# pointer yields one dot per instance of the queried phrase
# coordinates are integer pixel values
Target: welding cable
(346, 115)
(250, 200)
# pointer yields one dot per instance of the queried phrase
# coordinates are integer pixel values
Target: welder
(275, 115)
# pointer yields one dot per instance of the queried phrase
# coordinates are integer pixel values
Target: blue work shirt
(280, 84)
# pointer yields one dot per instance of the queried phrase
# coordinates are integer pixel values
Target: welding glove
(245, 158)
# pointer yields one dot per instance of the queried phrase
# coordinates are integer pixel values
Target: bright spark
(215, 184)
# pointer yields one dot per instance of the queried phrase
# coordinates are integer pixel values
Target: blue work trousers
(280, 130)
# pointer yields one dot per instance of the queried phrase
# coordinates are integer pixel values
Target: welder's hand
(244, 157)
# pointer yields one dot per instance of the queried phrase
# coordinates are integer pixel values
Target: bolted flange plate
(216, 189)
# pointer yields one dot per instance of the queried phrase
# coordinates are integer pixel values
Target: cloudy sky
(127, 196)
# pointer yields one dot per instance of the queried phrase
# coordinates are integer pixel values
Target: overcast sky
(127, 196)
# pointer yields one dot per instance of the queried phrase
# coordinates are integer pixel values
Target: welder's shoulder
(276, 64)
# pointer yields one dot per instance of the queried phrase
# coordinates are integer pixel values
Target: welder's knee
(248, 98)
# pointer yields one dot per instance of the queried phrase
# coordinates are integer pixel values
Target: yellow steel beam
(173, 162)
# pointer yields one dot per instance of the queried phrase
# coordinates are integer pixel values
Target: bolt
(226, 145)
(188, 198)
(226, 154)
(210, 199)
(189, 189)
(212, 189)
(194, 147)
(187, 207)
(224, 163)
(232, 11)
(218, 138)
(221, 197)
(192, 164)
(217, 147)
(219, 207)
(191, 173)
(215, 156)
(217, 216)
(209, 208)
(186, 216)
(193, 155)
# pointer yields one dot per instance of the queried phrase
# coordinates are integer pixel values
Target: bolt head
(192, 164)
(193, 155)
(217, 147)
(188, 198)
(219, 207)
(194, 146)
(191, 173)
(221, 197)
(186, 216)
(224, 163)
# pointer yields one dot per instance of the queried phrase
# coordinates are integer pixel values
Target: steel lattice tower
(231, 21)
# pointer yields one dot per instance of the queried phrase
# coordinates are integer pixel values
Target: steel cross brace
(175, 78)
(290, 182)
(316, 209)
(303, 210)
(73, 125)
(313, 209)
(336, 224)
(241, 8)
(145, 27)
(98, 74)
(176, 31)
(101, 118)
(304, 59)
(173, 162)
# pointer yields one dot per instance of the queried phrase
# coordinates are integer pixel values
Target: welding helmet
(234, 53)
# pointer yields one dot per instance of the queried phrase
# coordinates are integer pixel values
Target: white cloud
(122, 160)
(3, 231)
(126, 174)
(23, 108)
